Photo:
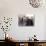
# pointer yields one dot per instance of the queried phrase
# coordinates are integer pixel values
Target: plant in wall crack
(7, 21)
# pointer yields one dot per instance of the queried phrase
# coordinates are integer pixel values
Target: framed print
(26, 20)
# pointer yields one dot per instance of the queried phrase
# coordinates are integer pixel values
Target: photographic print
(24, 20)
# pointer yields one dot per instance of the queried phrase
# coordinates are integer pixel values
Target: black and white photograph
(25, 20)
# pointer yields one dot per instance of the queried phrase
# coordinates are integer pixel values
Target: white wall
(12, 8)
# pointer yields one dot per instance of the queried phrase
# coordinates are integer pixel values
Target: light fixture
(36, 3)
